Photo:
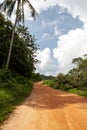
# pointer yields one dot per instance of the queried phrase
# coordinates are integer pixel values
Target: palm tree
(8, 7)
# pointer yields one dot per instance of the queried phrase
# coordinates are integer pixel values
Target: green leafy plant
(13, 91)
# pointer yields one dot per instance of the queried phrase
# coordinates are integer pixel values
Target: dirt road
(49, 109)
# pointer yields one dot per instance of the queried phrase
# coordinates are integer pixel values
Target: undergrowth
(13, 90)
(66, 87)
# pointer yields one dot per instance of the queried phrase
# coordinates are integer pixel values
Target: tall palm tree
(8, 7)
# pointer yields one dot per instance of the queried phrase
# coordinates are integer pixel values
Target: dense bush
(13, 90)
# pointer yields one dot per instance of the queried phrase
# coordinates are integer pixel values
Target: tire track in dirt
(49, 109)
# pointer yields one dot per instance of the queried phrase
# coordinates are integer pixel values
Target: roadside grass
(79, 92)
(66, 87)
(50, 83)
(13, 91)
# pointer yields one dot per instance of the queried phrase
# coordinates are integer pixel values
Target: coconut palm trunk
(12, 38)
(8, 7)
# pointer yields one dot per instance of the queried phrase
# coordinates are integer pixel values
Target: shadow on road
(47, 98)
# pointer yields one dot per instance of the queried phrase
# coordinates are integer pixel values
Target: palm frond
(11, 8)
(33, 11)
(8, 6)
(4, 5)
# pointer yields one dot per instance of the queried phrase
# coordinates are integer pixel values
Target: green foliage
(13, 90)
(50, 83)
(79, 92)
(9, 5)
(75, 80)
(36, 77)
(23, 57)
(79, 74)
(4, 75)
(44, 77)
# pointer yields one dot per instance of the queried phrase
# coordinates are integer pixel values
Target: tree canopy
(8, 7)
(75, 78)
(23, 56)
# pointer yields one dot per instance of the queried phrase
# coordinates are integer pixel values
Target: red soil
(49, 109)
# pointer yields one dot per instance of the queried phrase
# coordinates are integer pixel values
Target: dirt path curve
(49, 109)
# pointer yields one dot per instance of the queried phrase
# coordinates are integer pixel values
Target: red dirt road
(49, 109)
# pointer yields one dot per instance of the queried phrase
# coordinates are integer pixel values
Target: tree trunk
(12, 39)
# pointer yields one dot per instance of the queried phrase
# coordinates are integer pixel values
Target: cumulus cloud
(75, 7)
(71, 45)
(47, 65)
(74, 43)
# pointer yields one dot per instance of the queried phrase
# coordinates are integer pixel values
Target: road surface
(49, 109)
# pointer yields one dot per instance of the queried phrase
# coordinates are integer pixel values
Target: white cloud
(75, 7)
(42, 4)
(57, 32)
(47, 65)
(46, 36)
(71, 45)
(1, 1)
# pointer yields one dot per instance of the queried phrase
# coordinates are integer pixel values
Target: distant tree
(77, 61)
(83, 65)
(76, 77)
(36, 77)
(60, 80)
(79, 74)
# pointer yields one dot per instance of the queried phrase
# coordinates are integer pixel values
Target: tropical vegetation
(75, 80)
(8, 7)
(15, 82)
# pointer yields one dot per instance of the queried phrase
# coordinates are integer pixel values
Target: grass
(50, 83)
(13, 91)
(66, 87)
(79, 92)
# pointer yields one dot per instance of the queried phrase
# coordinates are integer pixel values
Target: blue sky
(61, 33)
(50, 22)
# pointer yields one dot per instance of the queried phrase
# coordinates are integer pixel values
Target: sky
(61, 33)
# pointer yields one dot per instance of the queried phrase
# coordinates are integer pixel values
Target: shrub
(4, 75)
(13, 90)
